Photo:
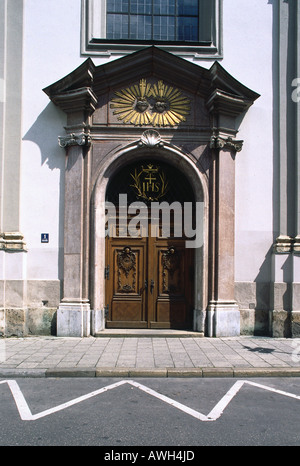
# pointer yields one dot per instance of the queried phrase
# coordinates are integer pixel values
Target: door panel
(172, 297)
(125, 287)
(150, 283)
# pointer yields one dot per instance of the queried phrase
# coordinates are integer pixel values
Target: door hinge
(106, 273)
(106, 310)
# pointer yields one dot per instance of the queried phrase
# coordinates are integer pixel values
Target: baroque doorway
(149, 270)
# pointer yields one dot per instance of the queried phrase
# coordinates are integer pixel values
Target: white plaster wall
(51, 50)
(248, 56)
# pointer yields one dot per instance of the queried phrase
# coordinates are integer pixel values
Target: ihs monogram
(149, 182)
(151, 104)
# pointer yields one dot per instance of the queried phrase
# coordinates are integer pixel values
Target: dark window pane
(117, 26)
(166, 7)
(141, 7)
(117, 6)
(158, 20)
(164, 28)
(188, 7)
(187, 28)
(140, 27)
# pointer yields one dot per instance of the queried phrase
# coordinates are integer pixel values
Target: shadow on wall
(272, 296)
(263, 296)
(44, 132)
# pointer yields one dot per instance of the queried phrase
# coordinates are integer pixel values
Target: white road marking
(215, 413)
(25, 412)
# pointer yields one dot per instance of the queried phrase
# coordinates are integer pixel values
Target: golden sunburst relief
(151, 104)
(170, 107)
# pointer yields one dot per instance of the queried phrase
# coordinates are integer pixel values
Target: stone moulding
(76, 100)
(286, 245)
(12, 241)
(296, 245)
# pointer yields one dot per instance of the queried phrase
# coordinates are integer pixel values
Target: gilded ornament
(151, 104)
(150, 182)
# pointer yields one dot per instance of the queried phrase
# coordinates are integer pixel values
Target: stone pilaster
(73, 312)
(223, 311)
(73, 315)
(285, 305)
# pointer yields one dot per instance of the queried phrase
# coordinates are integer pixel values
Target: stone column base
(73, 320)
(199, 321)
(223, 319)
(98, 321)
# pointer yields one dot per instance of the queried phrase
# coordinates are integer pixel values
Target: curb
(205, 372)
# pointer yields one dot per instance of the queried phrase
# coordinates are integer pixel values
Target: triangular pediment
(88, 82)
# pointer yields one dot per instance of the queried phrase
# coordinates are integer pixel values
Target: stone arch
(174, 156)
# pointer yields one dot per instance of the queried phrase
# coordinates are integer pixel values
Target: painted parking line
(26, 414)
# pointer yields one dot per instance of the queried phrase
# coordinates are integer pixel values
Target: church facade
(150, 175)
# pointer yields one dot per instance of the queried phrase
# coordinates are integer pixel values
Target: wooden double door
(149, 283)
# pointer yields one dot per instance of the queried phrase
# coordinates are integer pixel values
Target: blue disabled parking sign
(45, 238)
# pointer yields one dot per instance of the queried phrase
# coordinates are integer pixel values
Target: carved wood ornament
(126, 261)
(170, 263)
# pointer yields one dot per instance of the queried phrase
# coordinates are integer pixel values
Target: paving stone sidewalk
(152, 356)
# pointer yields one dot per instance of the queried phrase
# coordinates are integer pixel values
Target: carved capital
(218, 142)
(75, 139)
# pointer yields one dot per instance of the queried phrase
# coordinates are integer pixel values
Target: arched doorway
(149, 269)
(98, 143)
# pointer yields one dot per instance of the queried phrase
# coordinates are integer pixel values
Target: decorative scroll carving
(74, 139)
(170, 263)
(217, 142)
(126, 261)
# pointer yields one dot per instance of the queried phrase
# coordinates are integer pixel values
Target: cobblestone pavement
(118, 355)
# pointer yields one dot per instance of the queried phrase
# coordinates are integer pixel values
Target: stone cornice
(83, 99)
(228, 104)
(287, 245)
(296, 245)
(222, 93)
(83, 76)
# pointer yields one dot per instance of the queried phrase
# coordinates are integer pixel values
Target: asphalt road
(128, 415)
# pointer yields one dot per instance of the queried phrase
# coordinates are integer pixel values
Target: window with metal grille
(153, 20)
(184, 27)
